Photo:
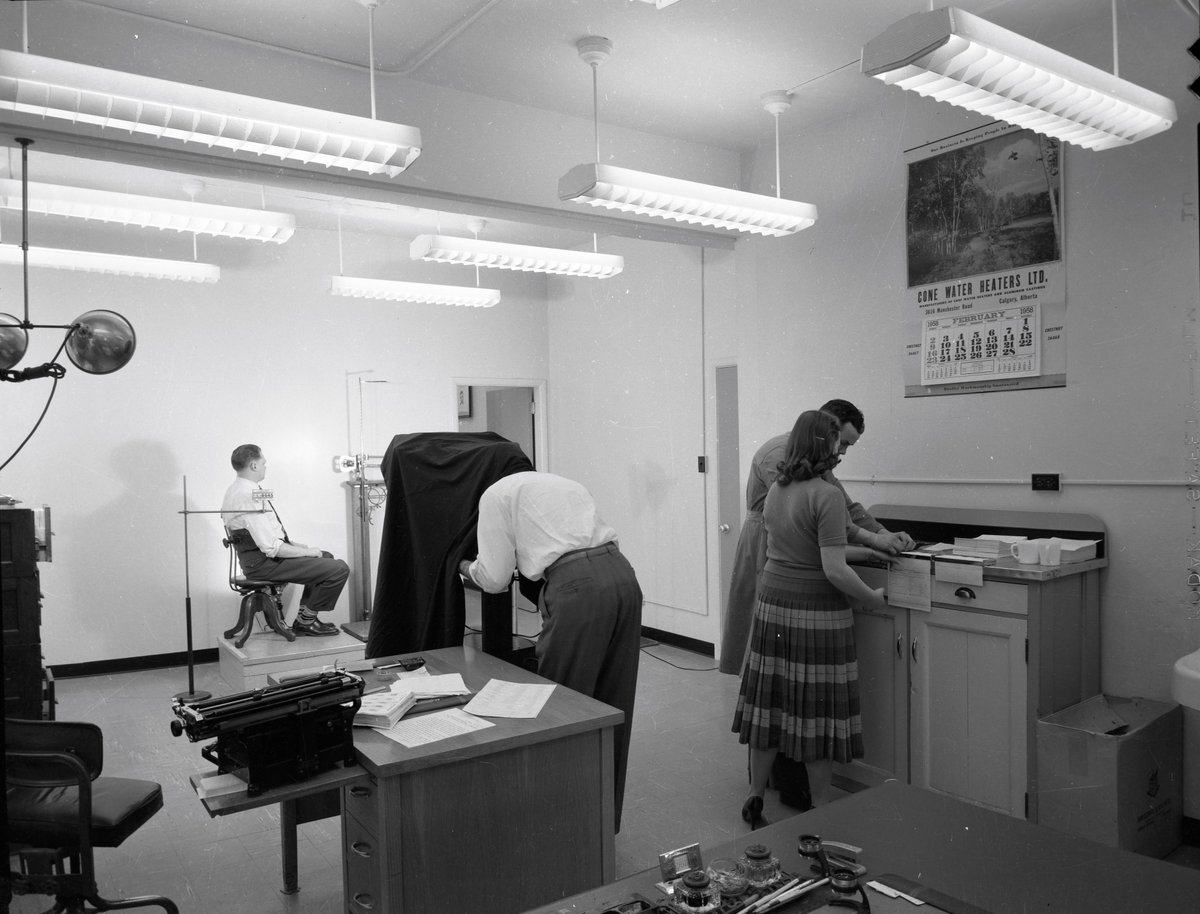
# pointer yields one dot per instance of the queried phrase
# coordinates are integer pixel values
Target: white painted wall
(827, 308)
(628, 361)
(267, 355)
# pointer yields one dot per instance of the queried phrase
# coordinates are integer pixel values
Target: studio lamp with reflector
(96, 342)
(14, 340)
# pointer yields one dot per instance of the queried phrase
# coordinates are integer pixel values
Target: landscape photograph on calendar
(982, 207)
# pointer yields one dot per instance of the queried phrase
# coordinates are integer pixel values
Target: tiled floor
(686, 783)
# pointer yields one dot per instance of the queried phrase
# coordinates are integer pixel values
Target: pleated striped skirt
(799, 688)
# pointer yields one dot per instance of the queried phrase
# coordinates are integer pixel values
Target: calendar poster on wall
(986, 297)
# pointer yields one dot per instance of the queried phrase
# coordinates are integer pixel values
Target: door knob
(724, 528)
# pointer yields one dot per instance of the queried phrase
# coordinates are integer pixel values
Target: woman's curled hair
(812, 448)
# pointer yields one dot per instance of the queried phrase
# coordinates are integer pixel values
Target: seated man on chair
(266, 553)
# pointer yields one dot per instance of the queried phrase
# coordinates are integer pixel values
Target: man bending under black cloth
(547, 527)
(266, 553)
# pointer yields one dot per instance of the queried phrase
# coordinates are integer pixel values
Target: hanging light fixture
(396, 290)
(96, 342)
(113, 264)
(523, 257)
(41, 87)
(955, 57)
(417, 292)
(671, 198)
(149, 212)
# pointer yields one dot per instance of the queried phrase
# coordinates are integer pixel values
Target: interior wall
(828, 321)
(628, 417)
(266, 355)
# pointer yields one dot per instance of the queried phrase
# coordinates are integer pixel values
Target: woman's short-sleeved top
(800, 518)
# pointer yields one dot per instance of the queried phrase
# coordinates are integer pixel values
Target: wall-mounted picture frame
(464, 401)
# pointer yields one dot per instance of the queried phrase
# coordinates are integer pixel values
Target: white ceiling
(694, 70)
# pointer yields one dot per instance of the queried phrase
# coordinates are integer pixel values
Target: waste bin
(1111, 769)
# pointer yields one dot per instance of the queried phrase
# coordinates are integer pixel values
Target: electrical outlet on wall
(1046, 482)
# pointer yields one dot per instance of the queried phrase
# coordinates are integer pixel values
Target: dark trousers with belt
(323, 578)
(591, 635)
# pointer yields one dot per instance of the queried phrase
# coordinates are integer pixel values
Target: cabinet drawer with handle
(361, 801)
(994, 596)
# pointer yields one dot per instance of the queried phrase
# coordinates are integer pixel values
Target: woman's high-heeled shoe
(752, 813)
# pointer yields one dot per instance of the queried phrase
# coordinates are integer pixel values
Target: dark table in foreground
(496, 820)
(994, 862)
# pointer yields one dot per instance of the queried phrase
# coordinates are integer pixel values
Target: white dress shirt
(243, 509)
(527, 521)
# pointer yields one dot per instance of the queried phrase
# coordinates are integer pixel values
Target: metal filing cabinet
(26, 692)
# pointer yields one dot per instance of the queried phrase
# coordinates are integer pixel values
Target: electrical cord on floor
(690, 669)
(479, 631)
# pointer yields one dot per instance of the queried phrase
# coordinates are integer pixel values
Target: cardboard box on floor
(1111, 769)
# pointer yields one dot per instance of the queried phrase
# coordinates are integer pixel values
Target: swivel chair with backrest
(60, 808)
(257, 596)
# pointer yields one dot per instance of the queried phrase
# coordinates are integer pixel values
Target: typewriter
(276, 735)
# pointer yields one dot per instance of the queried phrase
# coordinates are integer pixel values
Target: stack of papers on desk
(1075, 550)
(430, 686)
(989, 545)
(383, 709)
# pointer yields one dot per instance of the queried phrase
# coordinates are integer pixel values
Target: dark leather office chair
(257, 597)
(60, 808)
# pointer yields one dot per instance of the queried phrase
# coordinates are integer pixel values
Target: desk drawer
(363, 868)
(362, 802)
(994, 596)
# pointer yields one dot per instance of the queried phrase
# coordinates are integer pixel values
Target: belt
(610, 546)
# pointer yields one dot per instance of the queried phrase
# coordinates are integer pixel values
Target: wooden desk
(981, 858)
(500, 819)
(496, 820)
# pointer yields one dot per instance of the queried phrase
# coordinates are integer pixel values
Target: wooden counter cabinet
(950, 698)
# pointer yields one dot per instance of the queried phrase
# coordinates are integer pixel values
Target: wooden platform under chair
(247, 667)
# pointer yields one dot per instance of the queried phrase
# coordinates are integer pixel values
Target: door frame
(540, 435)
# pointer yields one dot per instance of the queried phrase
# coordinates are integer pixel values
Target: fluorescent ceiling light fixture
(503, 256)
(167, 110)
(661, 4)
(419, 292)
(115, 264)
(684, 201)
(149, 212)
(670, 198)
(955, 57)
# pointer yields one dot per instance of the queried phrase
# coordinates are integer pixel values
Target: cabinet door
(968, 726)
(881, 641)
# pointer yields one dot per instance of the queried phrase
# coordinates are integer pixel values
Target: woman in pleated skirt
(799, 686)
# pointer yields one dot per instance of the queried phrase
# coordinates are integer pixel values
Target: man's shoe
(315, 627)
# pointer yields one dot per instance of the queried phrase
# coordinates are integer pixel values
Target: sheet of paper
(510, 699)
(427, 686)
(909, 584)
(429, 728)
(958, 573)
(216, 785)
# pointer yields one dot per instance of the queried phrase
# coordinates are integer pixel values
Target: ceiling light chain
(594, 50)
(191, 188)
(1116, 53)
(341, 261)
(371, 6)
(776, 103)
